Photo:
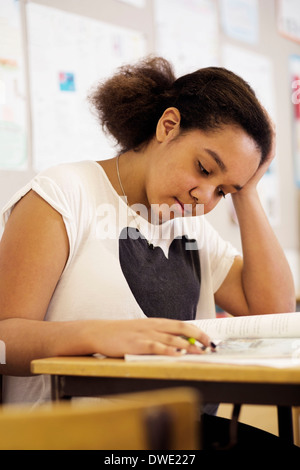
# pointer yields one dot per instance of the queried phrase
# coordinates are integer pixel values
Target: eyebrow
(217, 159)
(221, 165)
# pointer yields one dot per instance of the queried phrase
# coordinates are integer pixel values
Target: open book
(272, 340)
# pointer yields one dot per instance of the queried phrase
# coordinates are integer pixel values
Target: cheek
(209, 207)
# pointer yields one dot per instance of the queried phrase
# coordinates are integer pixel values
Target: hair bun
(130, 103)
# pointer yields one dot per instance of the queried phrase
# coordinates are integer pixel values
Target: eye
(202, 169)
(221, 193)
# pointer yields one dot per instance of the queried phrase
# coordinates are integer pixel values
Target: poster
(187, 33)
(240, 19)
(13, 125)
(288, 12)
(68, 55)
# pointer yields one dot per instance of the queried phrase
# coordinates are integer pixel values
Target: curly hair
(130, 103)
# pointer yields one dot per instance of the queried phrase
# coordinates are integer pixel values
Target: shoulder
(66, 175)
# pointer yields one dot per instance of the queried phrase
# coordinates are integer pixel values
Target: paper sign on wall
(68, 55)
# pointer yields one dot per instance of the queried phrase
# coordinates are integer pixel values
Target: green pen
(197, 343)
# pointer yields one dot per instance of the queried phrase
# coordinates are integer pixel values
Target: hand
(115, 338)
(252, 183)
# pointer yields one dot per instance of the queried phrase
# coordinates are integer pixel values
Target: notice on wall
(187, 33)
(68, 55)
(288, 12)
(13, 126)
(240, 19)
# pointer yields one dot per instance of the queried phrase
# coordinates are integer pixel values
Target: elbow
(285, 305)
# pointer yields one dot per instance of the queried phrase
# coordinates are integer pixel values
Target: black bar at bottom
(285, 423)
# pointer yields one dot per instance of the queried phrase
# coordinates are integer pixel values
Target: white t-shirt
(111, 272)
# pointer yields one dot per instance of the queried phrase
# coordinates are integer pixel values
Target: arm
(262, 282)
(33, 253)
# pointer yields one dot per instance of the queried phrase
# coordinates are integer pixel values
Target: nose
(205, 195)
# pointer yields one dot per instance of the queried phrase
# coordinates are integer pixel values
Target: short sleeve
(49, 186)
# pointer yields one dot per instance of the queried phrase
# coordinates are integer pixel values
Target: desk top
(109, 367)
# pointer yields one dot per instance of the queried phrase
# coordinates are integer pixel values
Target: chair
(296, 425)
(157, 420)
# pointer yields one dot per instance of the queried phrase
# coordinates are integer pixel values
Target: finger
(192, 331)
(153, 347)
(183, 329)
(177, 342)
(182, 344)
(158, 348)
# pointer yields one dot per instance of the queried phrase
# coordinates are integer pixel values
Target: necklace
(150, 244)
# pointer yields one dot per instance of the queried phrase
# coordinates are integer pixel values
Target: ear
(168, 125)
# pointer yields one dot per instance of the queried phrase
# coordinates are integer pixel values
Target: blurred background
(52, 52)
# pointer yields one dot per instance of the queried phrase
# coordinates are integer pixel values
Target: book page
(282, 325)
(264, 340)
(270, 352)
(259, 347)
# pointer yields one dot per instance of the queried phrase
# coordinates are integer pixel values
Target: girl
(112, 256)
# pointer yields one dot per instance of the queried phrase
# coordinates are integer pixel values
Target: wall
(271, 44)
(278, 49)
(111, 11)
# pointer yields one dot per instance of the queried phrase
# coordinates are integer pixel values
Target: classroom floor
(262, 417)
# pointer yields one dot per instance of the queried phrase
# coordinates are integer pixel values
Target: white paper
(240, 19)
(187, 33)
(68, 55)
(289, 18)
(280, 325)
(265, 340)
(207, 359)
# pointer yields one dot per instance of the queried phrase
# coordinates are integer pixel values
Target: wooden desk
(90, 376)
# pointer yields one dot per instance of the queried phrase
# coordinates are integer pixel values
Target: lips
(186, 209)
(180, 203)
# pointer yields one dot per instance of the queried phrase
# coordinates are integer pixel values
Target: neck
(131, 176)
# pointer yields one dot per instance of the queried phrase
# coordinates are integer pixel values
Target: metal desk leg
(57, 392)
(285, 423)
